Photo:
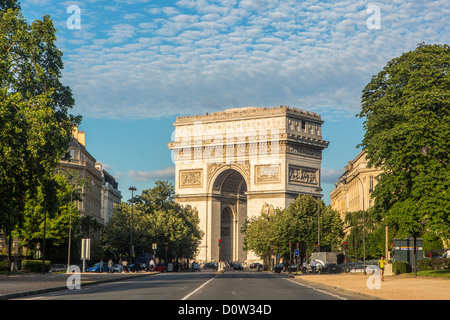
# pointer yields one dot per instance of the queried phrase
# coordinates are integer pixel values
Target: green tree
(407, 130)
(271, 233)
(55, 216)
(35, 127)
(157, 218)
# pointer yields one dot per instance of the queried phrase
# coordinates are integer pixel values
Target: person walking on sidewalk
(382, 264)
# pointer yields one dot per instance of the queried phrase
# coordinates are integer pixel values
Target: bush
(4, 265)
(401, 267)
(433, 264)
(35, 265)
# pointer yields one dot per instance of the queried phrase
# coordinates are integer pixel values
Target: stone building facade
(230, 165)
(81, 166)
(110, 195)
(353, 190)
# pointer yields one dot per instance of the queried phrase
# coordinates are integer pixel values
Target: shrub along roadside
(35, 265)
(422, 265)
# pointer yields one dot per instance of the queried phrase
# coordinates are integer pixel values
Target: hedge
(433, 264)
(401, 267)
(35, 265)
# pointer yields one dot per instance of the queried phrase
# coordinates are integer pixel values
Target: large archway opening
(230, 189)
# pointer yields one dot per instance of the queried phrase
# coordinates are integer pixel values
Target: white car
(116, 268)
(369, 269)
(58, 268)
(372, 269)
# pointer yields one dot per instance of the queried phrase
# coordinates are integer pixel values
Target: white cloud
(166, 173)
(202, 56)
(330, 175)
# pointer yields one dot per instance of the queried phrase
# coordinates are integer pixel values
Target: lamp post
(131, 231)
(364, 222)
(318, 190)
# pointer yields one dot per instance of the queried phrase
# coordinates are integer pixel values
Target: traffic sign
(296, 252)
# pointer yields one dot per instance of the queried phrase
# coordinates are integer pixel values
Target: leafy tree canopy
(35, 127)
(407, 130)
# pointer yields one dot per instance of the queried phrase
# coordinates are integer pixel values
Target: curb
(59, 288)
(318, 284)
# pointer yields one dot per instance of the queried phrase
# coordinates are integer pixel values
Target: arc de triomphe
(230, 165)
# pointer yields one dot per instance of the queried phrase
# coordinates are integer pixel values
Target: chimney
(79, 135)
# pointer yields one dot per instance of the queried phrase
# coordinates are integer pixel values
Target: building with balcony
(81, 166)
(353, 189)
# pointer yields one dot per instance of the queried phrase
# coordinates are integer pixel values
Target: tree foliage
(157, 218)
(35, 127)
(407, 130)
(271, 233)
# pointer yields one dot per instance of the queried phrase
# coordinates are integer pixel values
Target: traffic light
(220, 242)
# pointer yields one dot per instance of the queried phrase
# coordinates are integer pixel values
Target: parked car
(58, 268)
(161, 268)
(330, 268)
(293, 268)
(136, 267)
(360, 269)
(256, 265)
(96, 268)
(279, 268)
(116, 268)
(211, 265)
(372, 269)
(195, 267)
(238, 266)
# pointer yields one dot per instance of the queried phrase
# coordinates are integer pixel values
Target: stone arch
(229, 210)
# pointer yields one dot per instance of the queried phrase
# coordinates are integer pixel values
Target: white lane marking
(190, 294)
(319, 290)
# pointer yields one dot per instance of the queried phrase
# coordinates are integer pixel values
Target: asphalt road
(203, 285)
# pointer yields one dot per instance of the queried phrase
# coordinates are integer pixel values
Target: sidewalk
(20, 285)
(400, 287)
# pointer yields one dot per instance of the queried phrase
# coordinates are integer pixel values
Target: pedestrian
(124, 265)
(382, 264)
(110, 265)
(152, 265)
(313, 266)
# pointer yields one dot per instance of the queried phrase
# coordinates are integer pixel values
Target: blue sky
(135, 65)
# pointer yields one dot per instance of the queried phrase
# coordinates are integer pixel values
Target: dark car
(211, 265)
(279, 268)
(136, 267)
(256, 265)
(238, 266)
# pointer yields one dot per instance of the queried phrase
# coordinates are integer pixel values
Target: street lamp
(318, 190)
(131, 231)
(343, 178)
